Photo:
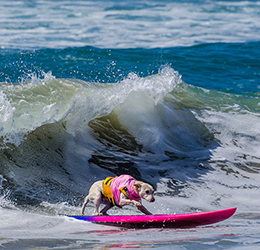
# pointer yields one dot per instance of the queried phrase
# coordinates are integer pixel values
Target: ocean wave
(38, 101)
(60, 135)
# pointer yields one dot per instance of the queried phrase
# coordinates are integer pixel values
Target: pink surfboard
(161, 221)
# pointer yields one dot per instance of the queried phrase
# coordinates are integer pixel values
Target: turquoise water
(165, 91)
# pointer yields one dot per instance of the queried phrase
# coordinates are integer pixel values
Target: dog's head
(144, 190)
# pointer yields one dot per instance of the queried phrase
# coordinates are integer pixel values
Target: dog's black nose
(152, 200)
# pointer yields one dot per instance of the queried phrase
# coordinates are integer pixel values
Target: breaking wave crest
(45, 100)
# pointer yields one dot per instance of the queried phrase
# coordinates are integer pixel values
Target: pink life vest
(124, 184)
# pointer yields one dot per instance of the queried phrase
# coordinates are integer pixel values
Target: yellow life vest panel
(107, 190)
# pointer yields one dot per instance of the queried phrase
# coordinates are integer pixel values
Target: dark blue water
(219, 66)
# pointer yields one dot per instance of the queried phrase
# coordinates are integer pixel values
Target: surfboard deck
(188, 220)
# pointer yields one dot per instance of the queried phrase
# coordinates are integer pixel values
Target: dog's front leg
(143, 210)
(125, 201)
(138, 204)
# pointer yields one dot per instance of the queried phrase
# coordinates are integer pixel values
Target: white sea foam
(237, 133)
(112, 24)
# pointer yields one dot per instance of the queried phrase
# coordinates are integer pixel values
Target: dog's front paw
(138, 204)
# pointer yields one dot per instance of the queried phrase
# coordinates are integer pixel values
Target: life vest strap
(125, 191)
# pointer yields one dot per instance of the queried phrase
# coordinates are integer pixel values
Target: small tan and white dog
(119, 191)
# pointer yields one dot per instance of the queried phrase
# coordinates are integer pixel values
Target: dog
(119, 191)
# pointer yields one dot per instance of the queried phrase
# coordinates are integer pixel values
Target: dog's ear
(138, 184)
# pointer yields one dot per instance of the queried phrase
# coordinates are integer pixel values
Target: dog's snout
(153, 199)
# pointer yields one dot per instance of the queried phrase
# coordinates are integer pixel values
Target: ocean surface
(166, 91)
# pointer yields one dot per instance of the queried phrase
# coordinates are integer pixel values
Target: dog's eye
(147, 191)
